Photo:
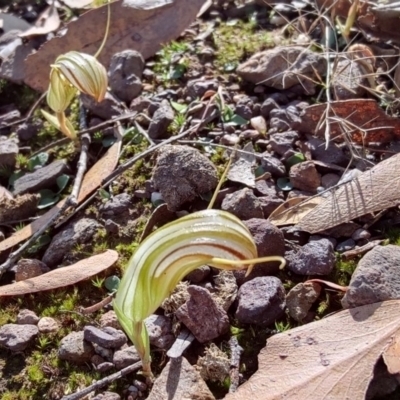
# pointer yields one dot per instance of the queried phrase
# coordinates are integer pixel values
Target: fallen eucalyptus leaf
(391, 355)
(64, 276)
(328, 359)
(371, 191)
(293, 210)
(138, 25)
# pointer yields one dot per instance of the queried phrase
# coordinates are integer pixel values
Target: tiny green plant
(98, 282)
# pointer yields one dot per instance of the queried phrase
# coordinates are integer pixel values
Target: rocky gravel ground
(50, 347)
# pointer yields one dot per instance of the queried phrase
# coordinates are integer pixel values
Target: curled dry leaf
(293, 210)
(139, 25)
(362, 120)
(241, 170)
(391, 355)
(328, 359)
(91, 181)
(63, 276)
(48, 21)
(160, 216)
(371, 191)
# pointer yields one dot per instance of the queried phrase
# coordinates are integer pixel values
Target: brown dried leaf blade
(329, 359)
(391, 355)
(91, 181)
(361, 120)
(62, 277)
(139, 25)
(373, 190)
(293, 210)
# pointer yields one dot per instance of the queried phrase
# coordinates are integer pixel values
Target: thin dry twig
(236, 352)
(103, 382)
(97, 306)
(69, 202)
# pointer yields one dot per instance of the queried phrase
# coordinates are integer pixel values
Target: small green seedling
(48, 197)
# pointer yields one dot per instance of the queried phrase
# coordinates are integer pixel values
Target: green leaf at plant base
(112, 283)
(62, 182)
(47, 198)
(14, 176)
(180, 108)
(38, 160)
(295, 159)
(104, 194)
(284, 184)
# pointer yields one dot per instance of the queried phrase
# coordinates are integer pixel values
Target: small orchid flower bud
(83, 72)
(60, 93)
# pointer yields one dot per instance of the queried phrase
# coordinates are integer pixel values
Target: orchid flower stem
(107, 30)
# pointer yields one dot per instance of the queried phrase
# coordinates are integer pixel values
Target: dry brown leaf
(373, 190)
(362, 120)
(48, 21)
(139, 25)
(328, 359)
(63, 276)
(160, 216)
(77, 3)
(293, 210)
(391, 355)
(91, 181)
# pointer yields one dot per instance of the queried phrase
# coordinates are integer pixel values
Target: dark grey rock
(332, 155)
(349, 80)
(343, 230)
(180, 380)
(244, 107)
(125, 74)
(243, 203)
(267, 106)
(282, 67)
(106, 109)
(103, 352)
(74, 348)
(123, 358)
(199, 274)
(300, 299)
(183, 173)
(28, 130)
(346, 245)
(8, 151)
(282, 120)
(266, 188)
(42, 178)
(160, 332)
(27, 317)
(273, 165)
(140, 104)
(80, 231)
(162, 119)
(117, 205)
(11, 115)
(17, 337)
(107, 337)
(270, 242)
(202, 315)
(107, 395)
(376, 278)
(314, 258)
(270, 204)
(361, 234)
(304, 176)
(282, 142)
(261, 301)
(197, 87)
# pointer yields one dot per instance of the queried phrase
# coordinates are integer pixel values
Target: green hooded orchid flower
(213, 237)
